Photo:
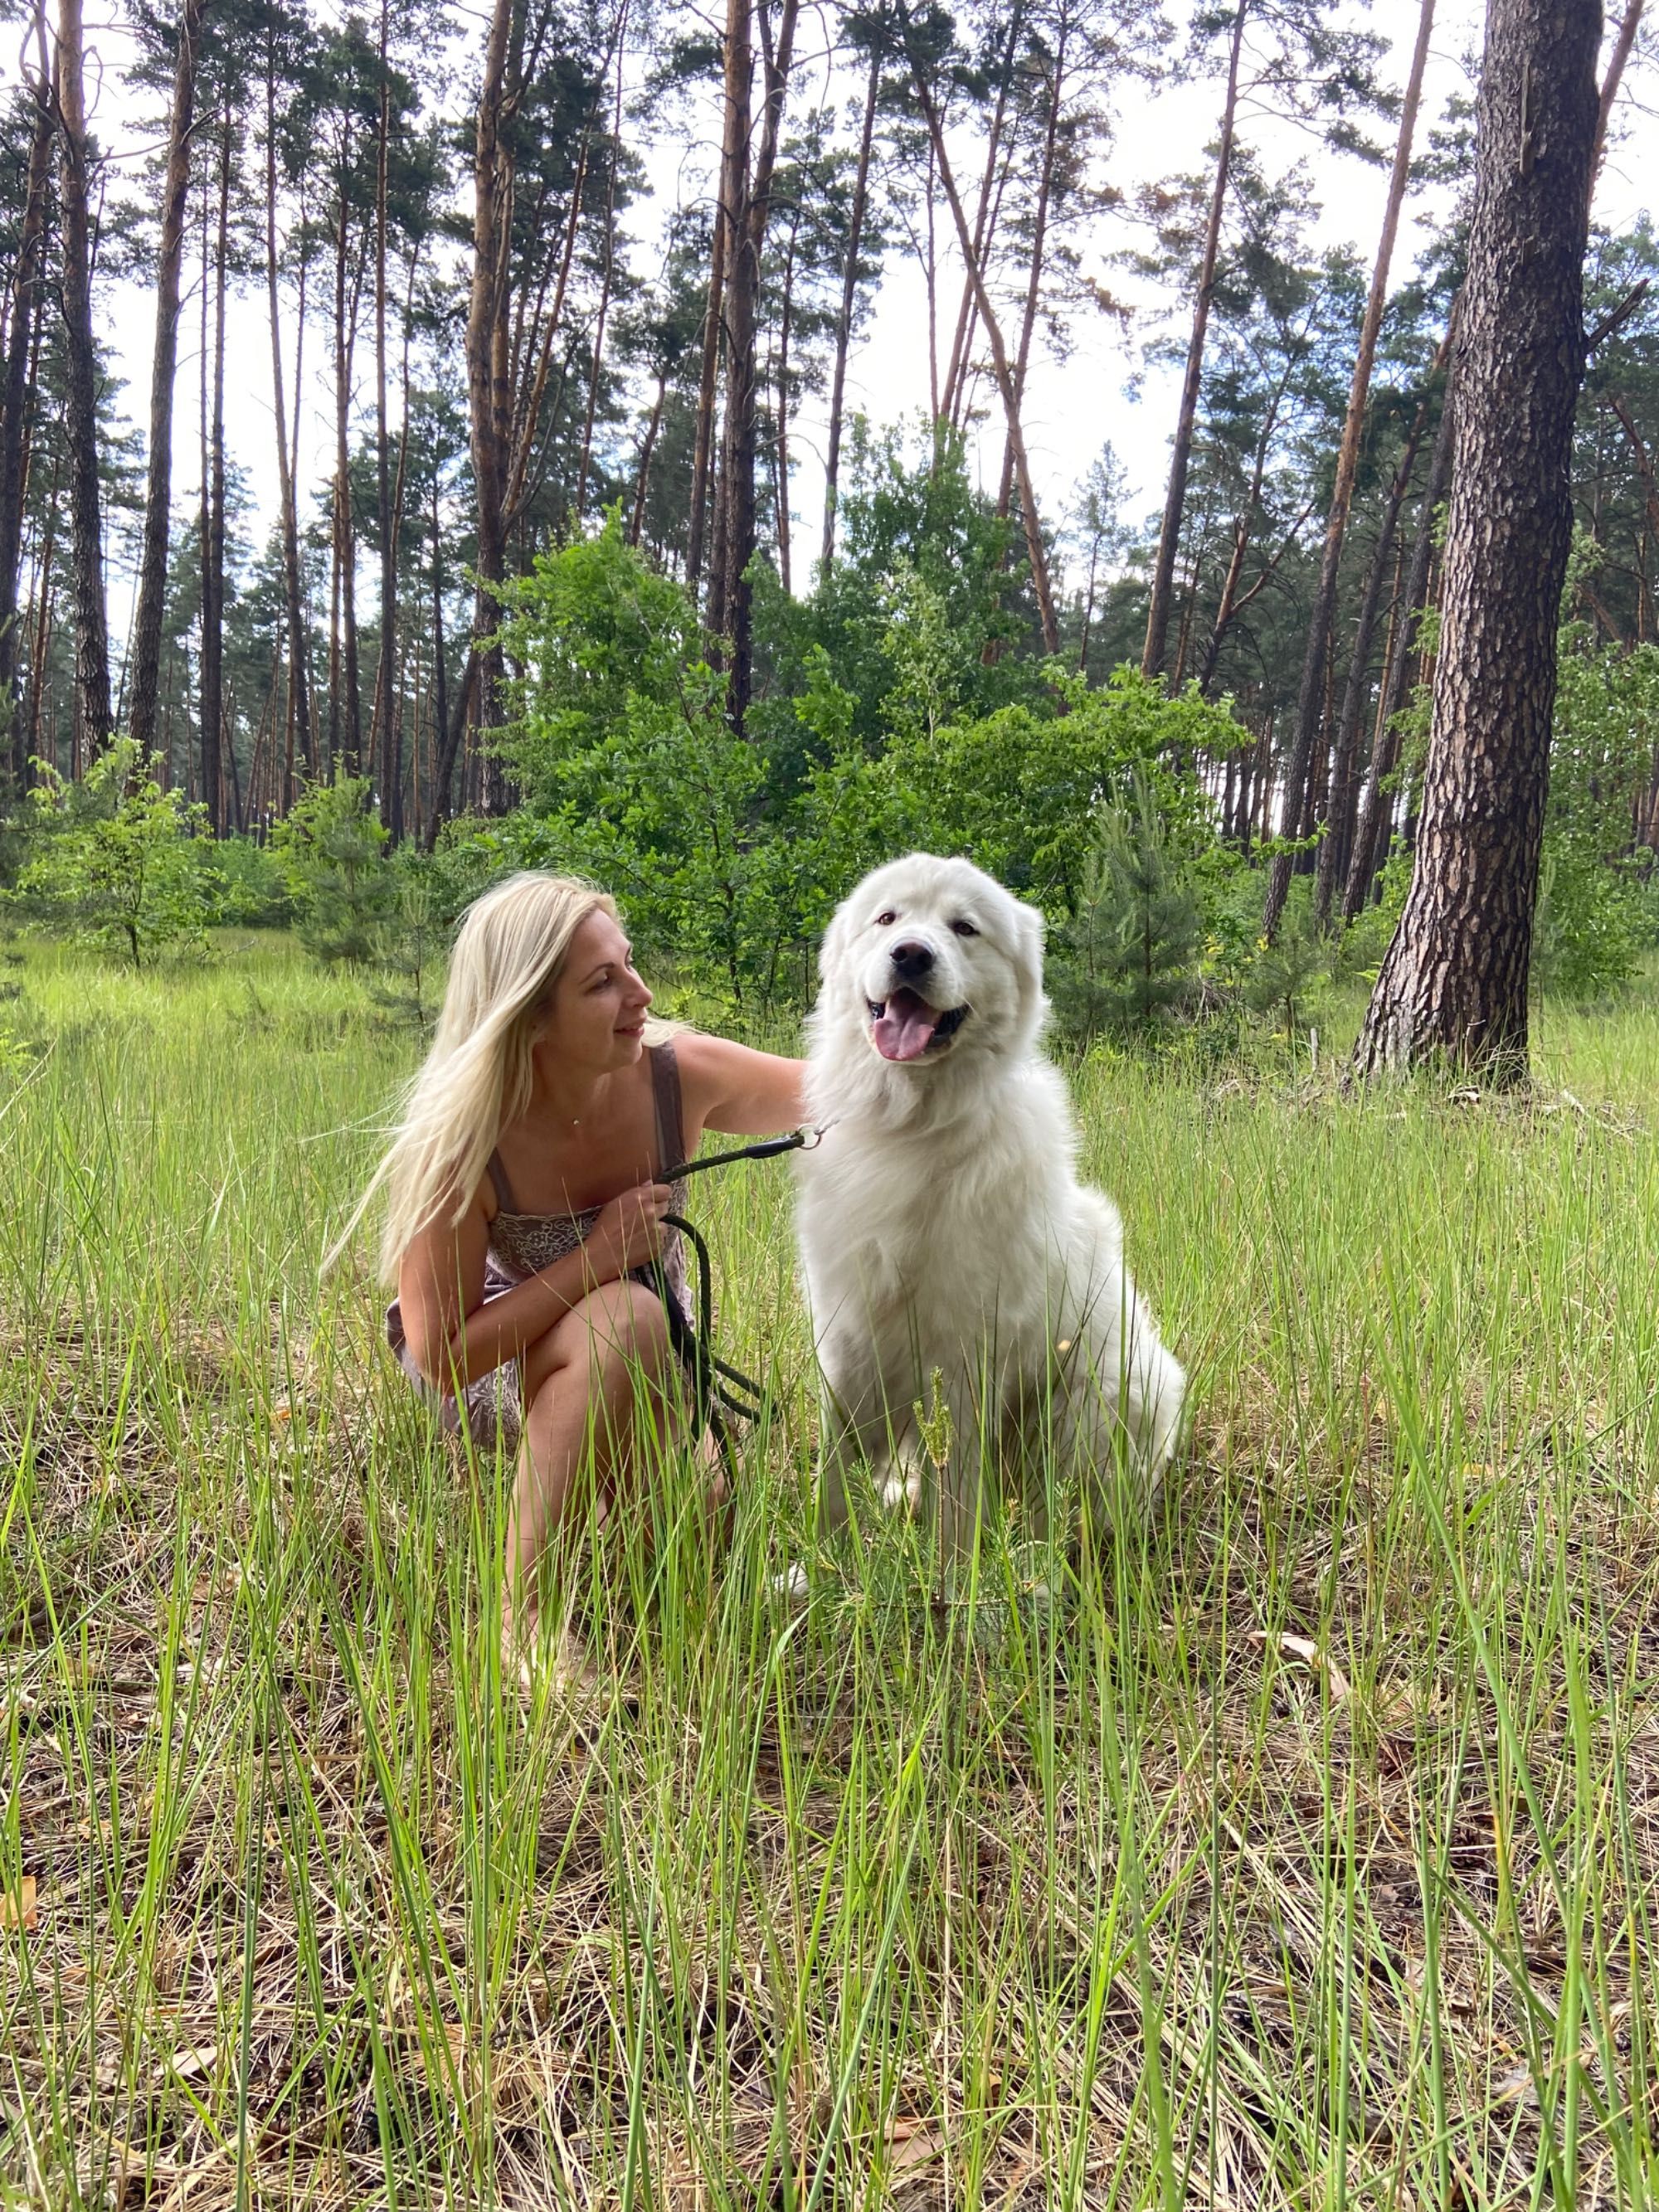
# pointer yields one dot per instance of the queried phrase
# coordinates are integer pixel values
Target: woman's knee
(620, 1326)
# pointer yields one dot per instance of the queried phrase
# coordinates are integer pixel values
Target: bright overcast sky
(1073, 407)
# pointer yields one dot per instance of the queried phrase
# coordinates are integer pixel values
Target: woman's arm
(728, 1087)
(455, 1337)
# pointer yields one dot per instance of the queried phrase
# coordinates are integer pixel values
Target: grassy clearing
(1305, 1854)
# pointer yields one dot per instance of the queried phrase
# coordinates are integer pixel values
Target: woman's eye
(964, 929)
(886, 921)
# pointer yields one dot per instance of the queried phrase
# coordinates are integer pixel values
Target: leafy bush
(257, 893)
(116, 859)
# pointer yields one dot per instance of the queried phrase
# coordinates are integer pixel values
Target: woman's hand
(628, 1233)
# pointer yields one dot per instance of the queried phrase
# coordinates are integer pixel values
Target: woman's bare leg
(586, 1384)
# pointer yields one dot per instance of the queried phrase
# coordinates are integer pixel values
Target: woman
(525, 1200)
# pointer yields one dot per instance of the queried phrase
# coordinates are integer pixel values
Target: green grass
(1304, 1854)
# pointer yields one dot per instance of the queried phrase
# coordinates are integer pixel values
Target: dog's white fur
(942, 1226)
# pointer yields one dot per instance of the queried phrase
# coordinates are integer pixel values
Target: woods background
(445, 226)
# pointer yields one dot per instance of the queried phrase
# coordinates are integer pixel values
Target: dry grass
(1304, 1852)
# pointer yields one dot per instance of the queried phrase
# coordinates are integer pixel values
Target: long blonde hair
(508, 954)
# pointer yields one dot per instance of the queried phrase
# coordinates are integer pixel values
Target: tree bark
(844, 321)
(298, 678)
(1039, 240)
(1175, 498)
(26, 301)
(1454, 984)
(1034, 545)
(1310, 707)
(486, 373)
(597, 363)
(702, 452)
(747, 202)
(781, 385)
(386, 672)
(213, 516)
(153, 564)
(985, 223)
(80, 412)
(1337, 845)
(345, 679)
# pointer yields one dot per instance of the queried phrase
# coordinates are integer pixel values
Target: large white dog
(942, 1225)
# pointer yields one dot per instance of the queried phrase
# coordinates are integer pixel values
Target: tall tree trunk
(1039, 240)
(738, 304)
(1454, 982)
(748, 201)
(152, 563)
(1311, 710)
(781, 385)
(80, 412)
(597, 366)
(648, 448)
(1337, 845)
(345, 526)
(298, 675)
(386, 672)
(985, 214)
(1312, 693)
(849, 281)
(1175, 498)
(1034, 545)
(1385, 746)
(702, 444)
(213, 513)
(488, 397)
(27, 302)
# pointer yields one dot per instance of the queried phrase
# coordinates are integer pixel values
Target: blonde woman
(525, 1200)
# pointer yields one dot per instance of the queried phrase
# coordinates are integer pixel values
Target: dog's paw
(790, 1583)
(901, 1492)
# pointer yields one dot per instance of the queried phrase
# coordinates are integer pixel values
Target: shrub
(116, 859)
(1127, 959)
(332, 850)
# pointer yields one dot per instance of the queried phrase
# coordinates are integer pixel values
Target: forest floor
(1302, 1850)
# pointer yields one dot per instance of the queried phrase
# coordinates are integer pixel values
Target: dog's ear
(830, 943)
(1030, 929)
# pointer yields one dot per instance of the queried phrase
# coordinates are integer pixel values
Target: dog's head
(932, 962)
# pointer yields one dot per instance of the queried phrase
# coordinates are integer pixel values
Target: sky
(1073, 406)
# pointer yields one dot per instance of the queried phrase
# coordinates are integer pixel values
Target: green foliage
(411, 945)
(1288, 978)
(1127, 960)
(631, 772)
(116, 859)
(1018, 790)
(1590, 924)
(257, 893)
(332, 850)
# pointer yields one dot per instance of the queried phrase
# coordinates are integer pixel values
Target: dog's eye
(964, 929)
(886, 921)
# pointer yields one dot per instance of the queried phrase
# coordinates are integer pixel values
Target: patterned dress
(522, 1245)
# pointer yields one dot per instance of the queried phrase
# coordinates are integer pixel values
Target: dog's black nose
(911, 959)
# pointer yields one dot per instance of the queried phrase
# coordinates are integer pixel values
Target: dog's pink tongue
(904, 1028)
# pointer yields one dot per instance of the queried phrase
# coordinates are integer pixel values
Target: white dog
(942, 1226)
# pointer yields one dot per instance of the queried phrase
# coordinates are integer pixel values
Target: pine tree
(1127, 963)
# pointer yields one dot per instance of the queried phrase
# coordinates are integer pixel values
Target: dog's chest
(896, 1233)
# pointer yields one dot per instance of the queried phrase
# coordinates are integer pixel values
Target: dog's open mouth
(904, 1026)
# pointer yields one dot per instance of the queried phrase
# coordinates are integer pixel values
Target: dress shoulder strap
(497, 1175)
(666, 1087)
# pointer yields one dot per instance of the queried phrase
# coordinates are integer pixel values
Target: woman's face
(597, 1014)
